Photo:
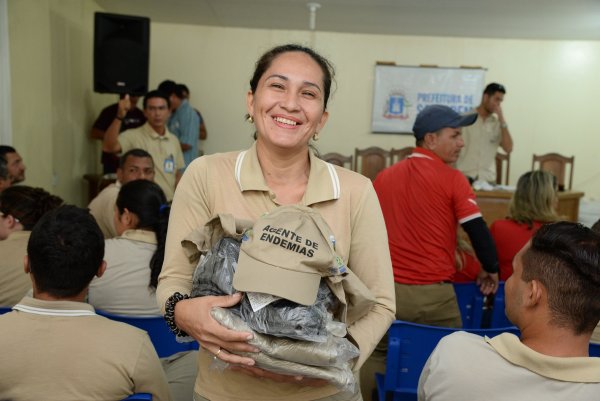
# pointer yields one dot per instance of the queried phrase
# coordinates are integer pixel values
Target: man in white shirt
(553, 297)
(53, 345)
(478, 157)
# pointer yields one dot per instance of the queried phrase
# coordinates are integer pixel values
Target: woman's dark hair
(266, 60)
(148, 202)
(27, 204)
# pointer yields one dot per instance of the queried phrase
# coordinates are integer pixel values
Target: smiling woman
(287, 102)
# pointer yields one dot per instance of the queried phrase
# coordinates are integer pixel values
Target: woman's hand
(193, 316)
(265, 374)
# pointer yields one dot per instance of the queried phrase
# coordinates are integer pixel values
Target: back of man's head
(4, 149)
(3, 169)
(565, 258)
(65, 251)
(168, 87)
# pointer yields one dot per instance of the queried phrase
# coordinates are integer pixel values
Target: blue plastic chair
(161, 336)
(499, 318)
(470, 303)
(139, 397)
(409, 347)
(4, 309)
(595, 350)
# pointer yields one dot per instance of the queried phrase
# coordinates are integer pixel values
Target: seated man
(4, 179)
(136, 164)
(553, 297)
(54, 346)
(14, 164)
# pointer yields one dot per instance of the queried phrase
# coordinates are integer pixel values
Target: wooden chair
(338, 159)
(370, 161)
(500, 159)
(397, 155)
(557, 165)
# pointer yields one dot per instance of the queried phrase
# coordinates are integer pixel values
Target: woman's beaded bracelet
(170, 313)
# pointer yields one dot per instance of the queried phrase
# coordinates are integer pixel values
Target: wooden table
(494, 204)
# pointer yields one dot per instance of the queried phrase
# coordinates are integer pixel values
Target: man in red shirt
(423, 199)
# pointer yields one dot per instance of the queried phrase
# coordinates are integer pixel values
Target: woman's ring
(218, 352)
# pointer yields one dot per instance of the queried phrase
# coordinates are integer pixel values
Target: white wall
(550, 104)
(51, 48)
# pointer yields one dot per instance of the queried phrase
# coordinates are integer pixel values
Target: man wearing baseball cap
(423, 199)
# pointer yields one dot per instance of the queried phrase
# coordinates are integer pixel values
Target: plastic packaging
(284, 318)
(214, 272)
(329, 361)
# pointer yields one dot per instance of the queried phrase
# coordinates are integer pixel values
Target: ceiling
(518, 19)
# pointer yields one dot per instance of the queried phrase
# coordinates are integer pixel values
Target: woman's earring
(316, 136)
(250, 119)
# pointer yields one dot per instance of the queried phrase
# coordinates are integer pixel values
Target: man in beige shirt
(54, 347)
(478, 157)
(135, 164)
(153, 137)
(553, 297)
(4, 179)
(14, 164)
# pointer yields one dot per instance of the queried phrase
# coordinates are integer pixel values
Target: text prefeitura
(289, 240)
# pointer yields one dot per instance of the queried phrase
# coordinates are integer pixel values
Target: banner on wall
(400, 92)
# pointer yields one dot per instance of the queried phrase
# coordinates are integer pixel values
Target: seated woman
(134, 258)
(133, 262)
(20, 208)
(533, 204)
(467, 264)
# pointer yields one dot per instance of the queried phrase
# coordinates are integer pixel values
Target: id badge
(169, 165)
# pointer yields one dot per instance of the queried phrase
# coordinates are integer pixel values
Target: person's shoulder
(111, 108)
(112, 329)
(461, 342)
(132, 132)
(109, 192)
(215, 160)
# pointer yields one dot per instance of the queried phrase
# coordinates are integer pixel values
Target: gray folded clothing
(328, 361)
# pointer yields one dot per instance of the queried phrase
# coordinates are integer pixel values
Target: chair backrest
(595, 350)
(502, 159)
(161, 336)
(409, 347)
(370, 161)
(397, 155)
(499, 318)
(470, 303)
(338, 159)
(139, 397)
(557, 165)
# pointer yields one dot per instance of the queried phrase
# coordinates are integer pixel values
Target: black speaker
(121, 53)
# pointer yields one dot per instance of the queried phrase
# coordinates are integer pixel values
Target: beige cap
(286, 253)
